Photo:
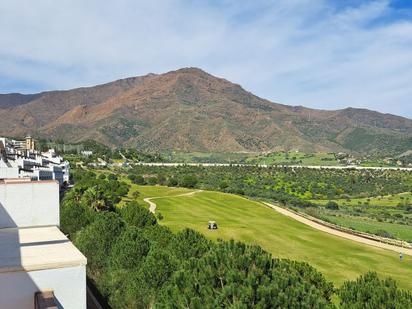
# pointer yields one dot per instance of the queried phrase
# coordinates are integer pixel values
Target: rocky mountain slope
(191, 110)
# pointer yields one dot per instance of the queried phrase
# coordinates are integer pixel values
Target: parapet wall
(29, 203)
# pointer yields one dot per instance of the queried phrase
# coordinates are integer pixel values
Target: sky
(327, 54)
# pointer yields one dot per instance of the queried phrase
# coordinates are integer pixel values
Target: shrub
(158, 268)
(369, 291)
(136, 179)
(189, 244)
(111, 177)
(189, 181)
(384, 233)
(152, 181)
(235, 275)
(74, 217)
(158, 235)
(172, 182)
(129, 250)
(96, 240)
(332, 205)
(137, 215)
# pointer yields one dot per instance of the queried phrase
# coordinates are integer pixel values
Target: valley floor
(252, 222)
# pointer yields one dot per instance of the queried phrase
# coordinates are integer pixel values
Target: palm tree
(76, 194)
(95, 199)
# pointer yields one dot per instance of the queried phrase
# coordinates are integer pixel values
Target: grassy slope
(389, 203)
(400, 231)
(388, 200)
(251, 222)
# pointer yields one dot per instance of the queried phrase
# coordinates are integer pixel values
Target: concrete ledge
(39, 248)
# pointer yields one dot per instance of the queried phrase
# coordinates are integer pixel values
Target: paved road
(339, 233)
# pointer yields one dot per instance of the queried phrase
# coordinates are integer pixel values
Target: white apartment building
(19, 159)
(38, 264)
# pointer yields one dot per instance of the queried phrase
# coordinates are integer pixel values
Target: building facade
(19, 159)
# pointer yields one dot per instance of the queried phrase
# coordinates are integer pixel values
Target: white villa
(19, 159)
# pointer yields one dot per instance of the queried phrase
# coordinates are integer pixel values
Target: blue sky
(317, 53)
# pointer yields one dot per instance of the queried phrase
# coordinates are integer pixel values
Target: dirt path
(339, 233)
(152, 205)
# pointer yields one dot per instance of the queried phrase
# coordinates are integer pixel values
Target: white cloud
(301, 52)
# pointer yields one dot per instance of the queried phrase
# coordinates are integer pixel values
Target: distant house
(86, 153)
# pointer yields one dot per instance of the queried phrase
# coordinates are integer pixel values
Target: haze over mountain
(191, 110)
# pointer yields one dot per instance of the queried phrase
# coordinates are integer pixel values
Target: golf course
(251, 222)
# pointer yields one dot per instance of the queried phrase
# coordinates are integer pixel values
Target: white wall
(34, 203)
(69, 285)
(9, 172)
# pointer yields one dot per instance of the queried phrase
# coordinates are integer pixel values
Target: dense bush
(96, 240)
(234, 275)
(129, 250)
(384, 233)
(73, 217)
(332, 205)
(98, 192)
(370, 292)
(188, 181)
(158, 235)
(283, 182)
(136, 215)
(136, 179)
(189, 244)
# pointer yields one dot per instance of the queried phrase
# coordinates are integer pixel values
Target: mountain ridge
(191, 110)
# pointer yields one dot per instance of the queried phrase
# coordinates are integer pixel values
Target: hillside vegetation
(189, 110)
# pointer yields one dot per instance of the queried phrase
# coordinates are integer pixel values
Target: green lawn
(251, 222)
(149, 191)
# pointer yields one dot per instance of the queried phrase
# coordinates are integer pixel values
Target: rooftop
(25, 181)
(28, 249)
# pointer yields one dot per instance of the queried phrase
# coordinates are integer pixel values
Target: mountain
(191, 110)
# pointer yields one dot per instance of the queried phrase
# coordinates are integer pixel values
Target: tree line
(295, 186)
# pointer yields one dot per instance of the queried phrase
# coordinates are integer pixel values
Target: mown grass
(250, 221)
(148, 191)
